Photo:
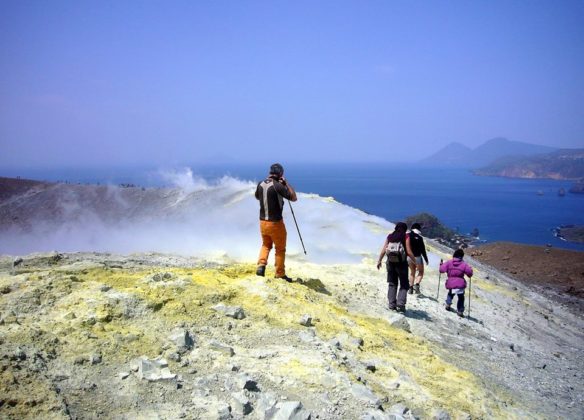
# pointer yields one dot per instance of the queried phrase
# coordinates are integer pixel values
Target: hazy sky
(173, 82)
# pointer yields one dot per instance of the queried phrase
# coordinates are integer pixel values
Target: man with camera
(271, 193)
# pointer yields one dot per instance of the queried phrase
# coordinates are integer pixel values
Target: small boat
(561, 192)
(540, 192)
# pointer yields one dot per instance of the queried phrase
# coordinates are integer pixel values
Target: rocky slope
(161, 336)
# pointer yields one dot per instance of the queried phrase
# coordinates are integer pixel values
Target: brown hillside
(560, 270)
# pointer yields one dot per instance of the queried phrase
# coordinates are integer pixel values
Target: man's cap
(276, 169)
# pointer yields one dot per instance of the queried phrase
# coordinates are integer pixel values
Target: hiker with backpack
(397, 248)
(416, 264)
(455, 270)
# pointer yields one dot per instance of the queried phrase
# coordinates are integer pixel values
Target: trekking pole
(440, 275)
(296, 223)
(469, 293)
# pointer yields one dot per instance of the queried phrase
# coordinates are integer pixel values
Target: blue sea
(502, 209)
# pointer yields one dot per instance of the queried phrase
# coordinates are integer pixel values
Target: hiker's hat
(276, 169)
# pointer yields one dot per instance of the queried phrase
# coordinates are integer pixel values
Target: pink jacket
(455, 269)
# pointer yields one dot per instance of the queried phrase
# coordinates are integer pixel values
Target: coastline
(553, 177)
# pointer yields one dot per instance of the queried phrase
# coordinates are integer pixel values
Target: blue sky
(172, 82)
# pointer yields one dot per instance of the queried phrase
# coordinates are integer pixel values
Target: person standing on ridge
(271, 193)
(455, 270)
(416, 264)
(397, 248)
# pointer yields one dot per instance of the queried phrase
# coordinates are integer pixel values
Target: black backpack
(417, 243)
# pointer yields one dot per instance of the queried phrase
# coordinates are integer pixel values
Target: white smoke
(217, 218)
(184, 180)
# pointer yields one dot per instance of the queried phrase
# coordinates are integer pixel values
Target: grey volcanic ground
(149, 335)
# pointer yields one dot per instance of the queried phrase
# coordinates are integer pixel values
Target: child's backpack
(395, 252)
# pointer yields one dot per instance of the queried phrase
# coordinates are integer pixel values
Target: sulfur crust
(443, 383)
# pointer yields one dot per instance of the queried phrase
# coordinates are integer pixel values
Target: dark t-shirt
(271, 196)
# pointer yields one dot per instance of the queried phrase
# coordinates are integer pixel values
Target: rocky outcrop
(570, 233)
(433, 228)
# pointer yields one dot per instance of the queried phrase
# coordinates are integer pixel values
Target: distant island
(458, 155)
(514, 159)
(566, 164)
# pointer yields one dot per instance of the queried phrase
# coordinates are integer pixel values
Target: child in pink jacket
(456, 269)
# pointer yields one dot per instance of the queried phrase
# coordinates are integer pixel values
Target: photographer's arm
(293, 196)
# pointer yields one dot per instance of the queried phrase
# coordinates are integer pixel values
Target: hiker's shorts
(418, 260)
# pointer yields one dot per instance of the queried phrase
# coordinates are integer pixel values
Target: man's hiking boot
(447, 307)
(411, 290)
(400, 309)
(261, 270)
(285, 277)
(417, 289)
(460, 314)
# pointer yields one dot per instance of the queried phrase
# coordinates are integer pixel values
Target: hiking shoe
(285, 277)
(261, 271)
(417, 289)
(447, 307)
(400, 309)
(460, 314)
(411, 291)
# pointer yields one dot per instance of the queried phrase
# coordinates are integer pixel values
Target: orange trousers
(273, 233)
